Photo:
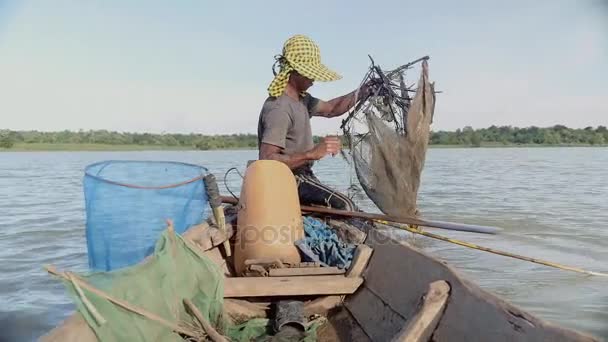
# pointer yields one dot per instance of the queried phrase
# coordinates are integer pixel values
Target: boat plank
(289, 286)
(379, 321)
(362, 255)
(304, 271)
(72, 329)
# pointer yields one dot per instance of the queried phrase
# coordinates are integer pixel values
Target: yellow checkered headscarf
(301, 54)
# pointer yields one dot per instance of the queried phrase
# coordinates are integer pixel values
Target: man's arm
(329, 145)
(293, 161)
(340, 105)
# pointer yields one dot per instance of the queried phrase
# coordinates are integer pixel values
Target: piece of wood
(304, 271)
(322, 305)
(289, 286)
(211, 332)
(218, 213)
(360, 259)
(423, 324)
(307, 264)
(207, 235)
(362, 255)
(216, 256)
(240, 311)
(255, 271)
(265, 262)
(87, 303)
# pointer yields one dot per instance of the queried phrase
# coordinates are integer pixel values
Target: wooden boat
(391, 292)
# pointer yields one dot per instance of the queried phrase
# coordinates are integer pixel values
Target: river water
(551, 202)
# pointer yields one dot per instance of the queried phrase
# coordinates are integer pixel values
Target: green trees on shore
(7, 139)
(507, 135)
(189, 141)
(493, 135)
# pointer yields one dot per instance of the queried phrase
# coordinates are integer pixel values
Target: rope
(195, 179)
(226, 183)
(133, 186)
(494, 251)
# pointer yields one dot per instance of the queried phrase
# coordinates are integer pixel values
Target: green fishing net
(175, 271)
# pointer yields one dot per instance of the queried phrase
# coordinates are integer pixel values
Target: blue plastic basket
(128, 204)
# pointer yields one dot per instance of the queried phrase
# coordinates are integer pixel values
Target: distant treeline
(196, 141)
(494, 135)
(507, 135)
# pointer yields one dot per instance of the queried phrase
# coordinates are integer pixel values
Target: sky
(204, 66)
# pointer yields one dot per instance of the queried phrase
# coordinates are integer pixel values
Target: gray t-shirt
(285, 122)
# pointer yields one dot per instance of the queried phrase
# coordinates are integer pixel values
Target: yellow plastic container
(269, 216)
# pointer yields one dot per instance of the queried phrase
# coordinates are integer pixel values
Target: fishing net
(174, 271)
(388, 133)
(128, 203)
(145, 302)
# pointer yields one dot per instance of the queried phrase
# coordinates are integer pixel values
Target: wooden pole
(421, 326)
(405, 220)
(213, 334)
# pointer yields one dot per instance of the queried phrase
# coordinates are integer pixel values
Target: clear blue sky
(204, 66)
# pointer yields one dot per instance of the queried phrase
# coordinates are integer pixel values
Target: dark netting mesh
(388, 135)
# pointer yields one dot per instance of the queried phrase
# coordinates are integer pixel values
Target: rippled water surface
(551, 202)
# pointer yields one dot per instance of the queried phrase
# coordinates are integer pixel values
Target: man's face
(300, 82)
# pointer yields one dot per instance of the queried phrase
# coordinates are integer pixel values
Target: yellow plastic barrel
(269, 217)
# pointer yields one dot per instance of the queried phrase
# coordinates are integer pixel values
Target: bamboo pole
(495, 251)
(213, 334)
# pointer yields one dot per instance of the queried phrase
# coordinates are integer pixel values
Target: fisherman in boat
(284, 131)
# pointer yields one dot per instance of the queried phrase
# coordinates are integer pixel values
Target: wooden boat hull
(396, 279)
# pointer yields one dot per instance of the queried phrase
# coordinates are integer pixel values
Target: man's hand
(366, 89)
(329, 145)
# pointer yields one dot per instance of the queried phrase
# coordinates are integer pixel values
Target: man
(284, 131)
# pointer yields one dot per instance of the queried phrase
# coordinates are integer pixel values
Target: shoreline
(51, 147)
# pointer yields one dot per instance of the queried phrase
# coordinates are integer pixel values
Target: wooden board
(239, 311)
(362, 255)
(423, 324)
(360, 260)
(304, 271)
(289, 286)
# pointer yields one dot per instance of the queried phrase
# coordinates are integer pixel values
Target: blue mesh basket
(128, 204)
